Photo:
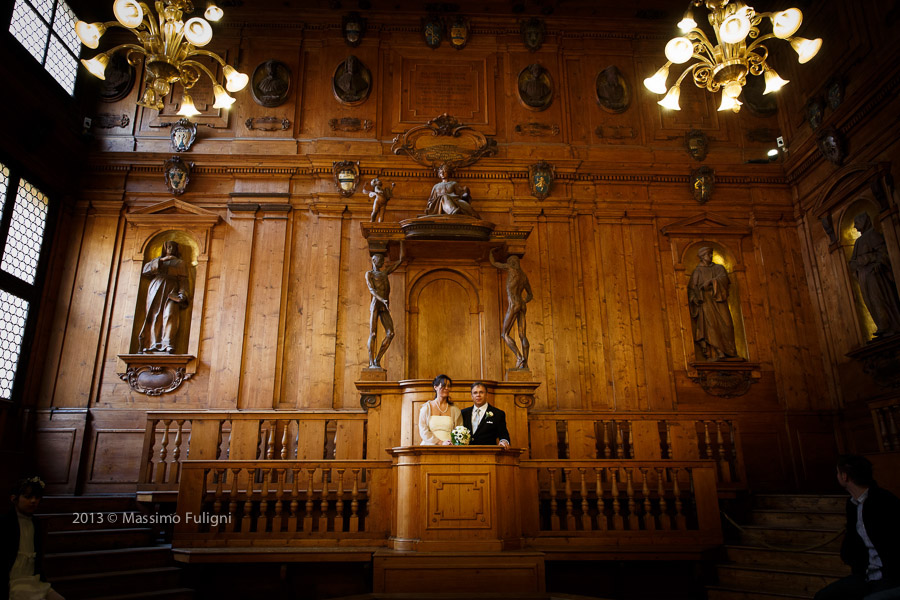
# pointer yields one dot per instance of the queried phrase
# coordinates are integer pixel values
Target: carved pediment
(706, 224)
(172, 211)
(444, 141)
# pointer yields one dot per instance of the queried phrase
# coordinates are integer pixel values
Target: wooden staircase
(108, 560)
(774, 558)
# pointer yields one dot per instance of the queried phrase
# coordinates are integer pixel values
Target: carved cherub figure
(380, 195)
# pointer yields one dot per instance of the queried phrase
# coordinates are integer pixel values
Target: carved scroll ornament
(444, 141)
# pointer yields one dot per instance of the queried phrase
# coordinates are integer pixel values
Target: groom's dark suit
(491, 429)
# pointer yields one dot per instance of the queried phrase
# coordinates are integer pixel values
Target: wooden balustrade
(284, 502)
(597, 502)
(650, 436)
(172, 437)
(886, 419)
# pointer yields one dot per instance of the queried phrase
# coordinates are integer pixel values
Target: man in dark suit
(487, 423)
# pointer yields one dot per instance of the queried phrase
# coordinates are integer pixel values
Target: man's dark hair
(31, 486)
(857, 468)
(475, 385)
(441, 379)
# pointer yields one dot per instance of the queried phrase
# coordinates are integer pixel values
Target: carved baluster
(217, 503)
(724, 465)
(295, 499)
(733, 457)
(279, 497)
(570, 506)
(618, 521)
(354, 502)
(339, 506)
(176, 454)
(607, 447)
(554, 517)
(665, 520)
(585, 514)
(668, 440)
(323, 505)
(602, 525)
(246, 519)
(232, 496)
(307, 517)
(270, 440)
(709, 448)
(680, 521)
(284, 440)
(620, 441)
(263, 517)
(630, 439)
(633, 522)
(163, 453)
(219, 439)
(649, 520)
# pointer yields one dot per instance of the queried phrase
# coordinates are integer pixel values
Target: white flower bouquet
(460, 436)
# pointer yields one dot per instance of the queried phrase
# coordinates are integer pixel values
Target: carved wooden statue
(166, 295)
(380, 195)
(380, 288)
(708, 298)
(872, 266)
(516, 283)
(449, 197)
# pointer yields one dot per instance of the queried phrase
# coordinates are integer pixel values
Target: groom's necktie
(476, 419)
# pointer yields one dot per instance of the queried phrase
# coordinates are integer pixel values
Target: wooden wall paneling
(621, 343)
(645, 440)
(59, 444)
(546, 313)
(767, 452)
(244, 439)
(582, 439)
(755, 304)
(311, 440)
(281, 44)
(349, 440)
(543, 439)
(516, 112)
(578, 94)
(214, 300)
(227, 354)
(657, 365)
(534, 263)
(598, 390)
(265, 299)
(84, 323)
(312, 310)
(674, 290)
(113, 455)
(683, 440)
(493, 305)
(816, 449)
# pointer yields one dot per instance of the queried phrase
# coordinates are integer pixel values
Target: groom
(487, 423)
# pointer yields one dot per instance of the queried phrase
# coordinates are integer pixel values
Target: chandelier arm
(148, 22)
(689, 69)
(132, 47)
(698, 35)
(200, 67)
(760, 40)
(195, 51)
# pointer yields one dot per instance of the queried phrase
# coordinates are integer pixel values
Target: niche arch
(847, 236)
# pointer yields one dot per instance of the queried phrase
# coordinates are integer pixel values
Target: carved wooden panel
(458, 500)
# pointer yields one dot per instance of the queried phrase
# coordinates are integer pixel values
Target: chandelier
(168, 46)
(738, 52)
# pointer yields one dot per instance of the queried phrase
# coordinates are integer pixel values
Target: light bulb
(671, 99)
(732, 89)
(688, 22)
(773, 81)
(657, 83)
(786, 22)
(729, 103)
(89, 33)
(235, 81)
(97, 65)
(198, 31)
(128, 12)
(187, 106)
(213, 12)
(679, 50)
(734, 29)
(223, 100)
(805, 49)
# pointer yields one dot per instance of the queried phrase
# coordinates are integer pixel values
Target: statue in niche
(872, 266)
(166, 295)
(535, 87)
(271, 90)
(380, 288)
(713, 327)
(612, 91)
(352, 81)
(516, 283)
(380, 195)
(449, 197)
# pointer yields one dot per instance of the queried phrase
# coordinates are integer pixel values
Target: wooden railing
(285, 503)
(652, 436)
(602, 502)
(172, 437)
(886, 417)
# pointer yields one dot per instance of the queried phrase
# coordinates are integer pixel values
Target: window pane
(28, 28)
(13, 312)
(64, 26)
(4, 184)
(43, 7)
(26, 232)
(61, 64)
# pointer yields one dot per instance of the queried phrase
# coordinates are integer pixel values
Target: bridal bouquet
(460, 436)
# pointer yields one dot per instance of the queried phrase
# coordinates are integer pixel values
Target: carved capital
(367, 401)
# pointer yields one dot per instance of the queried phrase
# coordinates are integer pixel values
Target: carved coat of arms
(540, 179)
(433, 32)
(183, 135)
(178, 174)
(459, 32)
(702, 181)
(353, 27)
(533, 34)
(346, 176)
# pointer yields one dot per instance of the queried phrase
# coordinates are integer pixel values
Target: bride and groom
(439, 416)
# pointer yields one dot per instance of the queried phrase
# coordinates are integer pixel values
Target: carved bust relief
(271, 83)
(612, 90)
(535, 87)
(352, 81)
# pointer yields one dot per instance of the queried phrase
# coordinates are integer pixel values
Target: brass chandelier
(738, 52)
(168, 46)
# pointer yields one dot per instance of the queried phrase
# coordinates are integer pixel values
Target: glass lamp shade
(198, 31)
(732, 89)
(773, 81)
(688, 22)
(187, 107)
(671, 99)
(734, 29)
(213, 12)
(235, 81)
(805, 49)
(223, 100)
(657, 83)
(786, 22)
(679, 50)
(128, 12)
(729, 103)
(97, 65)
(89, 33)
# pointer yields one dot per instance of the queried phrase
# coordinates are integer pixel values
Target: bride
(439, 416)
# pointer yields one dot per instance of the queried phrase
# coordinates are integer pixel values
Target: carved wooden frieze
(267, 124)
(444, 140)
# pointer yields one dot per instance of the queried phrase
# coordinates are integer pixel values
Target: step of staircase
(800, 582)
(795, 518)
(79, 521)
(98, 539)
(91, 585)
(808, 502)
(815, 560)
(100, 503)
(92, 561)
(791, 537)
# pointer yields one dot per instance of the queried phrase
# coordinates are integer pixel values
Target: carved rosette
(155, 374)
(881, 361)
(724, 379)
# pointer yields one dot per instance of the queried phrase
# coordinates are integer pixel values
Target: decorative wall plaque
(815, 112)
(109, 121)
(270, 84)
(881, 361)
(537, 129)
(267, 124)
(697, 144)
(183, 135)
(346, 176)
(702, 181)
(831, 145)
(459, 32)
(612, 90)
(444, 140)
(725, 380)
(540, 179)
(178, 174)
(119, 81)
(432, 31)
(834, 92)
(350, 124)
(615, 132)
(354, 27)
(155, 374)
(535, 87)
(533, 34)
(352, 82)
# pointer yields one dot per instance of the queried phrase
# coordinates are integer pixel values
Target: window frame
(76, 55)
